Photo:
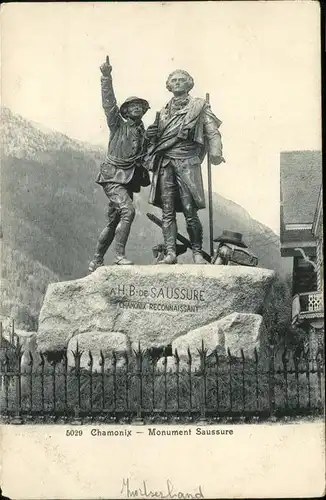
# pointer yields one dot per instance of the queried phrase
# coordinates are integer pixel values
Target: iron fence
(203, 385)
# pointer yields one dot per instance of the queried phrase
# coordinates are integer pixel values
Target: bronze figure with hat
(231, 237)
(122, 173)
(232, 250)
(125, 105)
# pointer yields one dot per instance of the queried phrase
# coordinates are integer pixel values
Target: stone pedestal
(150, 305)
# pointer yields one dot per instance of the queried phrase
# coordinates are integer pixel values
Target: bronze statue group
(172, 149)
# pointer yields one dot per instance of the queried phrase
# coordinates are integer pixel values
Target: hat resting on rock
(124, 106)
(231, 237)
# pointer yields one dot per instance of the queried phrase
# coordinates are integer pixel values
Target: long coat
(196, 126)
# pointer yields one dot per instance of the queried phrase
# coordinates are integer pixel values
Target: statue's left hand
(152, 131)
(217, 160)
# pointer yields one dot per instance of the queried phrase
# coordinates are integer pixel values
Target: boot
(95, 263)
(103, 243)
(121, 260)
(196, 238)
(121, 238)
(170, 258)
(170, 239)
(198, 258)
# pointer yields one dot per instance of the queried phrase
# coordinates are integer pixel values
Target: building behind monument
(301, 235)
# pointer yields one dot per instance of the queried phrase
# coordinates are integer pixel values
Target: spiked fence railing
(201, 385)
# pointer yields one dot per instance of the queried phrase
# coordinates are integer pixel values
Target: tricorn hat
(123, 107)
(231, 237)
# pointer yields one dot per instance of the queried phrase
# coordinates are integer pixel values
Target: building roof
(301, 178)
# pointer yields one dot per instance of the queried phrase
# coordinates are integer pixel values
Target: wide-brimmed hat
(123, 107)
(231, 237)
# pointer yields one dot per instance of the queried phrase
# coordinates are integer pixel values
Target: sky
(259, 61)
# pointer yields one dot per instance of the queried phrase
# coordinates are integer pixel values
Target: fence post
(256, 380)
(2, 361)
(271, 382)
(114, 382)
(153, 366)
(12, 333)
(203, 365)
(189, 363)
(139, 375)
(243, 361)
(90, 366)
(41, 364)
(177, 374)
(65, 379)
(77, 357)
(319, 373)
(217, 388)
(31, 365)
(101, 363)
(296, 360)
(18, 355)
(165, 365)
(6, 364)
(308, 375)
(53, 363)
(126, 382)
(230, 380)
(285, 361)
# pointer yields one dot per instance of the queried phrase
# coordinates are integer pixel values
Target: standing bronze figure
(122, 173)
(185, 130)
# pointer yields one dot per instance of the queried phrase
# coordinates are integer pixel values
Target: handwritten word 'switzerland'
(167, 492)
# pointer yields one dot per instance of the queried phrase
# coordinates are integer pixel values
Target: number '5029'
(74, 432)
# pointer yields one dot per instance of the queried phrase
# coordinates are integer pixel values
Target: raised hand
(106, 67)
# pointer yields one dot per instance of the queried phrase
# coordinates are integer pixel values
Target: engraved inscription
(158, 298)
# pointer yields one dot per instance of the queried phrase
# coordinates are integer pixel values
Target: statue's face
(178, 83)
(135, 110)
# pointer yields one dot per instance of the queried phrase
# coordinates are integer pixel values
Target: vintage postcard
(162, 316)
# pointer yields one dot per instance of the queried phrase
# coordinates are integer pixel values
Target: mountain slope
(23, 284)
